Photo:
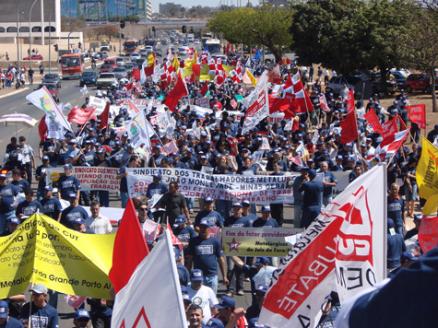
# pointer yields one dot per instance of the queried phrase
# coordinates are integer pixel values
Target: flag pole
(385, 219)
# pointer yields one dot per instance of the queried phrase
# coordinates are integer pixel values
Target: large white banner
(140, 131)
(260, 189)
(98, 103)
(343, 251)
(152, 297)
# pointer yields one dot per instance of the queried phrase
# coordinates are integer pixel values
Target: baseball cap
(390, 223)
(196, 275)
(214, 323)
(312, 173)
(38, 289)
(208, 200)
(246, 203)
(71, 195)
(4, 309)
(226, 302)
(205, 222)
(262, 260)
(180, 219)
(68, 166)
(48, 188)
(82, 314)
(266, 208)
(45, 158)
(237, 204)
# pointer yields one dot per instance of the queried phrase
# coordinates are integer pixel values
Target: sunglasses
(143, 209)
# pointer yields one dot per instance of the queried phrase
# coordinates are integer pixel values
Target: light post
(30, 31)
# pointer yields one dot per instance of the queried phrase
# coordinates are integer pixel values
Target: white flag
(98, 103)
(152, 297)
(257, 104)
(142, 72)
(342, 250)
(44, 101)
(140, 131)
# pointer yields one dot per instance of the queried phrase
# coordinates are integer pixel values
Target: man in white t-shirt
(97, 223)
(201, 295)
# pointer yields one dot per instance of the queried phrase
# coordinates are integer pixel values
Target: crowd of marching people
(305, 140)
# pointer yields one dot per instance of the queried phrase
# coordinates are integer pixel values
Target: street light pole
(30, 32)
(17, 38)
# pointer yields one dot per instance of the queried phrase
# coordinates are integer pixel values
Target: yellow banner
(256, 241)
(427, 176)
(44, 251)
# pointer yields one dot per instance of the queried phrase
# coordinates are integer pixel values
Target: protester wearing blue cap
(200, 294)
(81, 318)
(208, 213)
(73, 212)
(396, 246)
(68, 183)
(12, 224)
(396, 208)
(29, 206)
(229, 315)
(265, 220)
(157, 187)
(182, 230)
(51, 206)
(5, 320)
(38, 310)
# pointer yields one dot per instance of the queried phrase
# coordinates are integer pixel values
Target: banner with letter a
(44, 251)
(343, 240)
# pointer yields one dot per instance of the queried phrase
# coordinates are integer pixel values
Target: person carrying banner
(38, 311)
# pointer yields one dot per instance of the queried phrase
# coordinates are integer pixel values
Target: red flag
(301, 103)
(174, 95)
(350, 101)
(428, 233)
(390, 128)
(104, 117)
(136, 74)
(81, 115)
(417, 114)
(401, 123)
(129, 248)
(323, 103)
(204, 88)
(373, 121)
(175, 240)
(349, 128)
(42, 128)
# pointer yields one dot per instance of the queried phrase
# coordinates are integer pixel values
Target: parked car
(88, 78)
(34, 57)
(120, 72)
(418, 82)
(51, 78)
(106, 80)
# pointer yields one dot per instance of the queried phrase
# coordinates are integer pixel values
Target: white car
(106, 80)
(135, 56)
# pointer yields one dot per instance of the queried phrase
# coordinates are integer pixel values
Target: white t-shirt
(205, 298)
(99, 226)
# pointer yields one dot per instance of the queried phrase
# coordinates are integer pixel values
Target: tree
(263, 26)
(350, 34)
(420, 47)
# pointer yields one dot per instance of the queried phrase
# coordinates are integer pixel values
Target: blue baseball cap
(226, 302)
(196, 275)
(72, 195)
(68, 166)
(82, 314)
(4, 310)
(214, 323)
(205, 222)
(208, 200)
(14, 219)
(180, 219)
(266, 208)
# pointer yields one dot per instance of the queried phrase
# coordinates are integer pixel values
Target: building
(103, 10)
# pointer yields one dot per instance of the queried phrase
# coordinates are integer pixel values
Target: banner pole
(385, 219)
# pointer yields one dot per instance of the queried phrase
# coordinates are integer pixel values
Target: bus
(130, 46)
(72, 66)
(213, 46)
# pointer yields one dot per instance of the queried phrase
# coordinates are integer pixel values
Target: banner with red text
(90, 177)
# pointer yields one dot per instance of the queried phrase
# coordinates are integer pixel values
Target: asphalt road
(69, 93)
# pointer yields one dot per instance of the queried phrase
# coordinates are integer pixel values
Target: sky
(190, 3)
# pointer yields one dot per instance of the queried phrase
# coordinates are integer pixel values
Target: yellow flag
(151, 59)
(248, 78)
(43, 251)
(427, 176)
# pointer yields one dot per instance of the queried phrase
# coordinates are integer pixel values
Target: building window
(11, 29)
(24, 29)
(2, 30)
(36, 29)
(47, 29)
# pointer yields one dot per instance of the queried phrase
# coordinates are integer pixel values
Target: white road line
(14, 92)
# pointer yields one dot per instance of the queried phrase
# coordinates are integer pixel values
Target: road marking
(14, 93)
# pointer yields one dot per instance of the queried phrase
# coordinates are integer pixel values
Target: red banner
(417, 114)
(373, 121)
(428, 233)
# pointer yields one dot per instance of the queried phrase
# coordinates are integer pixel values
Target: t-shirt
(183, 274)
(173, 204)
(213, 217)
(45, 317)
(12, 323)
(7, 193)
(328, 177)
(205, 298)
(184, 234)
(70, 214)
(51, 207)
(312, 195)
(67, 185)
(244, 221)
(270, 222)
(395, 209)
(100, 225)
(156, 188)
(21, 184)
(205, 253)
(27, 208)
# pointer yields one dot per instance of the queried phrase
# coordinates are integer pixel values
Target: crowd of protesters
(214, 142)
